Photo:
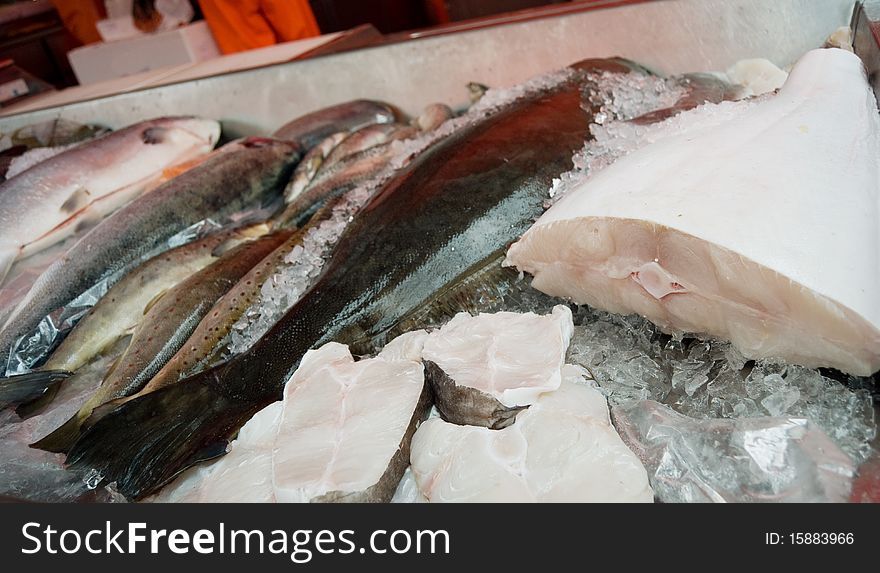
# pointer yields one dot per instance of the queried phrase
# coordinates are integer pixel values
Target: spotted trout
(118, 313)
(168, 322)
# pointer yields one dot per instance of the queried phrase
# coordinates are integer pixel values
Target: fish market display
(747, 460)
(224, 184)
(462, 199)
(341, 434)
(598, 285)
(562, 448)
(121, 310)
(42, 205)
(310, 129)
(703, 230)
(168, 321)
(485, 369)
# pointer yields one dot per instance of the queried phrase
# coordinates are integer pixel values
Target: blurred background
(54, 44)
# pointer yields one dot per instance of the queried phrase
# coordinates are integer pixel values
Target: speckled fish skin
(225, 184)
(346, 175)
(44, 204)
(166, 325)
(116, 314)
(310, 129)
(203, 346)
(122, 308)
(419, 233)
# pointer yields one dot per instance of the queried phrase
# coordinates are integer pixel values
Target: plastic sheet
(767, 459)
(35, 475)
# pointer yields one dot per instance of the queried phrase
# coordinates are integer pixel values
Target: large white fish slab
(484, 369)
(44, 204)
(562, 449)
(760, 225)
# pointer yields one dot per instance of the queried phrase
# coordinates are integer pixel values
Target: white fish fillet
(340, 427)
(562, 449)
(44, 204)
(513, 357)
(762, 228)
(343, 424)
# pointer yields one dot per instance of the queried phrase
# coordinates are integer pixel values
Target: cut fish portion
(341, 434)
(561, 449)
(346, 427)
(484, 369)
(762, 227)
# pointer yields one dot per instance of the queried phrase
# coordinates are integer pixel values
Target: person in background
(239, 25)
(79, 18)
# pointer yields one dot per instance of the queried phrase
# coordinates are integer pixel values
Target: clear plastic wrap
(766, 459)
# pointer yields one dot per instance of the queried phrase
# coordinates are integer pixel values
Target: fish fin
(34, 407)
(77, 200)
(154, 135)
(7, 257)
(148, 441)
(28, 387)
(62, 438)
(147, 309)
(103, 410)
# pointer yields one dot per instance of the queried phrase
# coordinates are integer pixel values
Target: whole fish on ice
(44, 204)
(758, 223)
(119, 311)
(308, 130)
(224, 184)
(168, 321)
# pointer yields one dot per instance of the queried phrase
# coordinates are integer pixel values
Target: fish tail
(144, 443)
(25, 388)
(62, 438)
(33, 407)
(103, 410)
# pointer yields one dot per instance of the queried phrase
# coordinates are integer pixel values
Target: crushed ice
(632, 360)
(620, 99)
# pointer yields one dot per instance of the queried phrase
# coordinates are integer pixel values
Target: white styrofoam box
(108, 60)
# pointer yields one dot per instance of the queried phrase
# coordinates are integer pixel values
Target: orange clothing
(80, 18)
(239, 25)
